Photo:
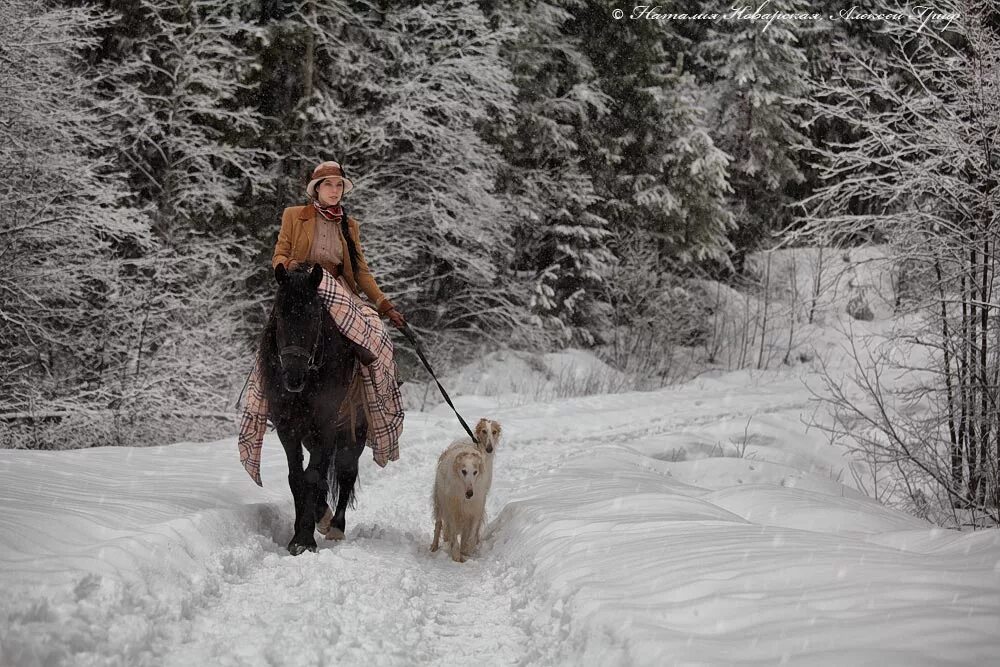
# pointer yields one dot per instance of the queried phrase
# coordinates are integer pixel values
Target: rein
(420, 353)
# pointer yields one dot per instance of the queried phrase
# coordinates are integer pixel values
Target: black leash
(420, 353)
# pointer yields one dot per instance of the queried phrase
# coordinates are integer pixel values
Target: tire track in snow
(377, 598)
(380, 597)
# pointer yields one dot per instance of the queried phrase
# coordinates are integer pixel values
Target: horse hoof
(323, 525)
(297, 549)
(338, 523)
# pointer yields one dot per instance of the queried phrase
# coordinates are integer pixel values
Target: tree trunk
(309, 60)
(767, 301)
(985, 418)
(955, 447)
(975, 420)
(963, 388)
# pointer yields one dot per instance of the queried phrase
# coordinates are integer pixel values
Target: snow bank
(514, 378)
(645, 570)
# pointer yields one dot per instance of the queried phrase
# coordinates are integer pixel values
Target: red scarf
(332, 213)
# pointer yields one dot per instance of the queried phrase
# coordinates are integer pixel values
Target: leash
(420, 353)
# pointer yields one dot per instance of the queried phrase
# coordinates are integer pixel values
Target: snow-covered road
(378, 598)
(382, 597)
(695, 525)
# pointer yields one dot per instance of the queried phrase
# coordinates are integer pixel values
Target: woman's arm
(283, 248)
(363, 276)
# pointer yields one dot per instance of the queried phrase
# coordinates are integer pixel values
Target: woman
(318, 234)
(322, 233)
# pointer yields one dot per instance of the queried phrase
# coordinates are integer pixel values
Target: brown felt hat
(324, 171)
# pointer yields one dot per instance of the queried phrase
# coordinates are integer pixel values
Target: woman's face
(330, 190)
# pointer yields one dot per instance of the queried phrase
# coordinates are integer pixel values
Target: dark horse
(308, 367)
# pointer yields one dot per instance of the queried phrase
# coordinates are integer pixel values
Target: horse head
(298, 314)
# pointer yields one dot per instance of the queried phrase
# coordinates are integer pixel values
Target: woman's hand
(396, 318)
(387, 309)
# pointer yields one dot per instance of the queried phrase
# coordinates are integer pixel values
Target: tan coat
(298, 230)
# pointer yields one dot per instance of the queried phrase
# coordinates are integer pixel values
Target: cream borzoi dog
(487, 436)
(459, 499)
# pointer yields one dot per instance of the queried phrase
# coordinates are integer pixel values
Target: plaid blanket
(360, 323)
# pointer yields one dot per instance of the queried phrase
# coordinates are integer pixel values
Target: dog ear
(280, 274)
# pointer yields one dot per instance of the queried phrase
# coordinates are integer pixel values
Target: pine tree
(758, 77)
(63, 214)
(684, 199)
(561, 236)
(179, 80)
(178, 77)
(653, 158)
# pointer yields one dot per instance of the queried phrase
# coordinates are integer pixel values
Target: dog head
(468, 466)
(488, 434)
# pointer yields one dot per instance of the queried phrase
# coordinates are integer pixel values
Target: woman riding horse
(316, 234)
(321, 234)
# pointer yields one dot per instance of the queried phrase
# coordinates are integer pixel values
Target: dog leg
(468, 537)
(437, 534)
(456, 549)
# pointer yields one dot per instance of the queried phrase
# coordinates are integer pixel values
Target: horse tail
(333, 486)
(352, 417)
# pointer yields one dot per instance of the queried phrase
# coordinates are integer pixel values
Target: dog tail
(435, 503)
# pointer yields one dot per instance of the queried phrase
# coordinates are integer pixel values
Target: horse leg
(303, 537)
(320, 458)
(345, 464)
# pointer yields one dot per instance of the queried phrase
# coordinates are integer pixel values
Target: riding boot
(364, 356)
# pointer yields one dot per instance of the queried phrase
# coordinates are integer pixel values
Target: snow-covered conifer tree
(182, 132)
(656, 163)
(561, 237)
(759, 74)
(63, 217)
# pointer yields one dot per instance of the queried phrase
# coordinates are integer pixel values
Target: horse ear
(280, 273)
(316, 277)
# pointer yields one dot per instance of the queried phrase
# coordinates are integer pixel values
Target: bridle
(315, 357)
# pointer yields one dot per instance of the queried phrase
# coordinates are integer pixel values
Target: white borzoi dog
(459, 499)
(488, 434)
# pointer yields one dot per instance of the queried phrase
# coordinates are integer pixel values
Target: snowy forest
(529, 175)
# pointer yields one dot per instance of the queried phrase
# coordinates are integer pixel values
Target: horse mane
(267, 350)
